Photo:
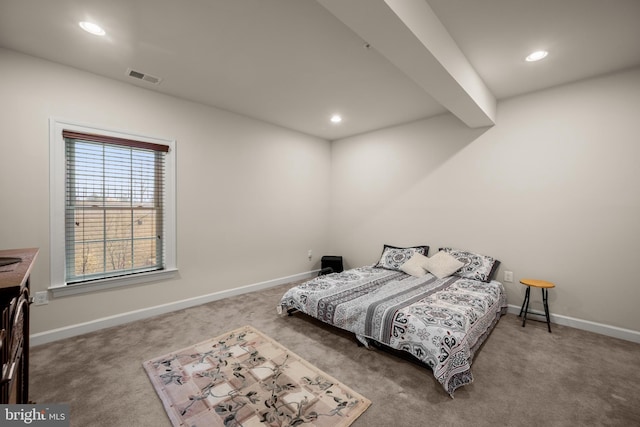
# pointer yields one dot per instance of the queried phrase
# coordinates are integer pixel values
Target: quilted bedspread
(441, 322)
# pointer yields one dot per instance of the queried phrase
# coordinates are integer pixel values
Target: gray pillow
(393, 257)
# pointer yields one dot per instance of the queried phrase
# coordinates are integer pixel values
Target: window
(112, 208)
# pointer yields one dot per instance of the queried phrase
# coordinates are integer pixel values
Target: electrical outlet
(41, 298)
(508, 276)
(310, 254)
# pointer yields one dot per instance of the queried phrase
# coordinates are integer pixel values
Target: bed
(439, 309)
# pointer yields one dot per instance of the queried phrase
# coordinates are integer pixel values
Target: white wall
(552, 190)
(252, 197)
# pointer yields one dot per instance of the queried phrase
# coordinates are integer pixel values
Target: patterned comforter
(441, 322)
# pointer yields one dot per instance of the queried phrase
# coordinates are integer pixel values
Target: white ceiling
(296, 62)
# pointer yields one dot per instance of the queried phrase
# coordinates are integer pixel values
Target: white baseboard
(119, 319)
(586, 325)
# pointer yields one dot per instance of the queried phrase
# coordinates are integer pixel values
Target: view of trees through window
(113, 209)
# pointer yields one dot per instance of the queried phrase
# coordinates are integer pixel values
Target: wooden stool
(545, 286)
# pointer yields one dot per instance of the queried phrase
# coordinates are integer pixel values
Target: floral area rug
(244, 378)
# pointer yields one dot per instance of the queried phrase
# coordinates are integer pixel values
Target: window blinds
(114, 206)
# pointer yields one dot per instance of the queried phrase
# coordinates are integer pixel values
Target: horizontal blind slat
(114, 199)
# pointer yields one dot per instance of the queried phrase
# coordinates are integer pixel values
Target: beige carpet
(523, 376)
(244, 378)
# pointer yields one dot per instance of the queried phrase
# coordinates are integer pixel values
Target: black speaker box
(334, 262)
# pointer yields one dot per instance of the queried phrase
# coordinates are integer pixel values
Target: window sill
(98, 285)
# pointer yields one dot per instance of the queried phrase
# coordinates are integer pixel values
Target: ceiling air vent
(142, 76)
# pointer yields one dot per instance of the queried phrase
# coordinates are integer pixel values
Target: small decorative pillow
(442, 264)
(416, 265)
(476, 266)
(393, 257)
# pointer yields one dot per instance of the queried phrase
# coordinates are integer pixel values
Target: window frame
(57, 171)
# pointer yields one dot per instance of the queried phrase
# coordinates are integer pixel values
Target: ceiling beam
(410, 35)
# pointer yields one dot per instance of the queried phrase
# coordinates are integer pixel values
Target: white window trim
(57, 172)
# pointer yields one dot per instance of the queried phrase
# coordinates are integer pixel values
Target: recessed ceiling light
(336, 118)
(92, 28)
(536, 56)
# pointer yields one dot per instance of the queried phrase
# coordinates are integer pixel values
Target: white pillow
(442, 264)
(415, 265)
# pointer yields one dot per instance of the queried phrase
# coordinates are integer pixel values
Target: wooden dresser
(14, 327)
